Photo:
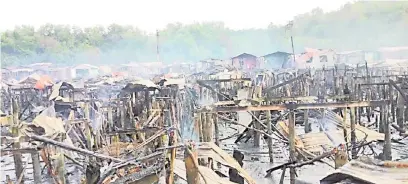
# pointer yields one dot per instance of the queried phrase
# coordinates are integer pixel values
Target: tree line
(358, 25)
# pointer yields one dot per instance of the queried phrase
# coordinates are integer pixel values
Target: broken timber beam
(278, 107)
(286, 82)
(399, 90)
(72, 148)
(224, 80)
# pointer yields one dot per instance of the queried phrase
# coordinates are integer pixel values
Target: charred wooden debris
(107, 131)
(347, 113)
(168, 129)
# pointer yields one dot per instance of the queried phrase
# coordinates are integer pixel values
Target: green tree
(358, 25)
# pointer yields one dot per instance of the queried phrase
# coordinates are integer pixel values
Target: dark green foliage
(361, 25)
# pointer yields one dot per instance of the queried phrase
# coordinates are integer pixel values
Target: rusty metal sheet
(371, 171)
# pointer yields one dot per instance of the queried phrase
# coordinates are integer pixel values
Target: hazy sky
(155, 14)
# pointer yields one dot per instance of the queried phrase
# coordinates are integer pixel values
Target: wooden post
(345, 124)
(36, 167)
(87, 127)
(201, 93)
(132, 117)
(387, 134)
(368, 109)
(110, 120)
(400, 111)
(18, 164)
(147, 102)
(381, 122)
(360, 109)
(173, 141)
(257, 135)
(203, 127)
(405, 113)
(392, 104)
(61, 167)
(209, 127)
(353, 133)
(216, 129)
(308, 127)
(122, 114)
(292, 145)
(270, 143)
(190, 160)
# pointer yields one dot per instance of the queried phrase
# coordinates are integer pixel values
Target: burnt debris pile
(215, 123)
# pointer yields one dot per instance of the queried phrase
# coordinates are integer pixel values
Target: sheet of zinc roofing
(371, 171)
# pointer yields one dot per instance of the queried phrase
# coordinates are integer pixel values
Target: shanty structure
(16, 73)
(316, 58)
(357, 56)
(244, 61)
(276, 60)
(84, 71)
(393, 52)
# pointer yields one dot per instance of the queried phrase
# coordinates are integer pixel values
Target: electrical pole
(289, 26)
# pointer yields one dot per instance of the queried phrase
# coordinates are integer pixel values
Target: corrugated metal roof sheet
(320, 142)
(368, 170)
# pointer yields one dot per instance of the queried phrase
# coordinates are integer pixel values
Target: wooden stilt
(216, 129)
(270, 143)
(353, 133)
(18, 163)
(292, 144)
(36, 167)
(190, 160)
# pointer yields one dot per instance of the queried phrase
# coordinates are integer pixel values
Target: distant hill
(359, 25)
